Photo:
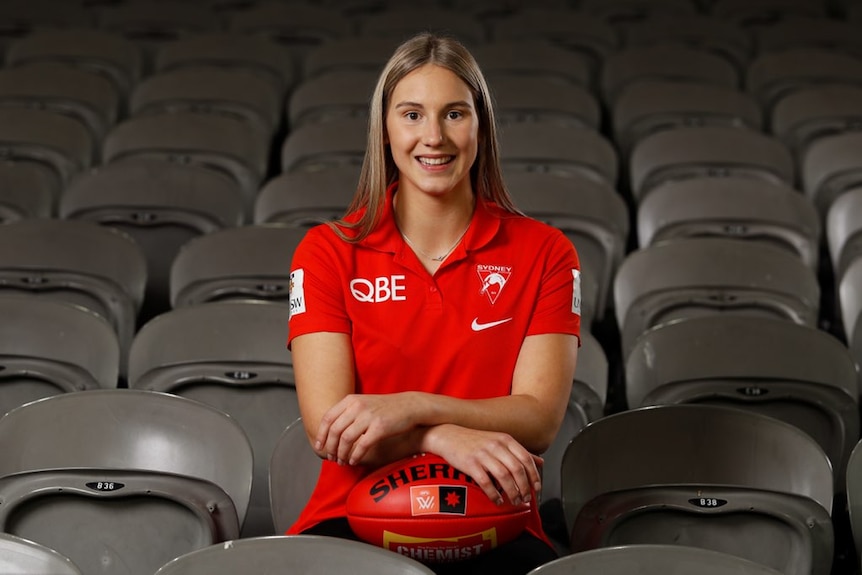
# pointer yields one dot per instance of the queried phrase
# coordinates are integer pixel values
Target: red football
(426, 509)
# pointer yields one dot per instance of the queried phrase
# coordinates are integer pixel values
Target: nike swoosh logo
(476, 326)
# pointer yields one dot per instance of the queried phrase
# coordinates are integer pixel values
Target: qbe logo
(378, 290)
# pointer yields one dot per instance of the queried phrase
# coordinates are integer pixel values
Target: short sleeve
(558, 306)
(316, 295)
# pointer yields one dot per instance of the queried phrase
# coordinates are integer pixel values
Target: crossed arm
(493, 439)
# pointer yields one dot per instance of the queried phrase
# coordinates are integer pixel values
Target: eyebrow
(457, 104)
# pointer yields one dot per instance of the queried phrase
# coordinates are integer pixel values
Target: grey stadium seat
(234, 357)
(224, 144)
(656, 559)
(151, 24)
(337, 94)
(701, 31)
(235, 92)
(754, 14)
(81, 94)
(798, 374)
(533, 58)
(695, 277)
(628, 66)
(651, 106)
(844, 231)
(854, 496)
(231, 50)
(592, 214)
(98, 268)
(850, 303)
(320, 146)
(23, 557)
(772, 76)
(248, 262)
(106, 53)
(52, 347)
(402, 22)
(27, 190)
(524, 98)
(57, 143)
(703, 476)
(303, 199)
(586, 404)
(809, 32)
(615, 11)
(573, 30)
(715, 151)
(831, 166)
(368, 53)
(808, 114)
(732, 207)
(294, 555)
(22, 17)
(121, 481)
(296, 26)
(161, 205)
(550, 148)
(293, 471)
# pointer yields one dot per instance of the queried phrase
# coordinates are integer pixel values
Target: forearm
(532, 413)
(525, 418)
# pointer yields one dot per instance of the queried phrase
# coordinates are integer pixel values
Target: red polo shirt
(456, 333)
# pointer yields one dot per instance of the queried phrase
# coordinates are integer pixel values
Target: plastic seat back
(798, 374)
(121, 481)
(99, 268)
(713, 477)
(653, 560)
(22, 557)
(50, 347)
(735, 208)
(305, 199)
(294, 555)
(695, 277)
(232, 356)
(293, 471)
(161, 205)
(248, 262)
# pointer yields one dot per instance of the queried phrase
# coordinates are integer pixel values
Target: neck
(433, 226)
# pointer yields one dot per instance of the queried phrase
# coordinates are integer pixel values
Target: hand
(489, 457)
(353, 426)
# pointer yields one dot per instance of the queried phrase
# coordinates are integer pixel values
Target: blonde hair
(378, 167)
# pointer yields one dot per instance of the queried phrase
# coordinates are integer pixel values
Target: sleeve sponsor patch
(297, 292)
(576, 292)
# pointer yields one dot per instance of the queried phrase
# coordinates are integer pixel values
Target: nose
(433, 134)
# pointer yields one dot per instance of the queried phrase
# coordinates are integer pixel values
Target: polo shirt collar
(386, 237)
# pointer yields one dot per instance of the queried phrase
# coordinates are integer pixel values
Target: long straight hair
(378, 167)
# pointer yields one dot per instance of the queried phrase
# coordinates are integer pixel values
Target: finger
(536, 477)
(510, 475)
(325, 426)
(371, 436)
(347, 439)
(485, 482)
(333, 439)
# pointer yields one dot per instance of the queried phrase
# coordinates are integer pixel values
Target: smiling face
(432, 129)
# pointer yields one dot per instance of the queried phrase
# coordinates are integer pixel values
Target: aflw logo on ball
(430, 499)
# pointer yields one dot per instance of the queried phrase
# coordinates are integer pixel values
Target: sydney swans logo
(493, 280)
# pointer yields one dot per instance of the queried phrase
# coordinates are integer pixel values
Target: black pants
(514, 558)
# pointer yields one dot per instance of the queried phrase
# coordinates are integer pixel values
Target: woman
(434, 317)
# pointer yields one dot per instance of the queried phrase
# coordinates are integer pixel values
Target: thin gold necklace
(425, 254)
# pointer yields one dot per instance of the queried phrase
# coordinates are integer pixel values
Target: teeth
(435, 161)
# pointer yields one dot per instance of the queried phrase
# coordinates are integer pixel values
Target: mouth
(435, 161)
